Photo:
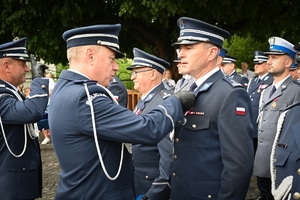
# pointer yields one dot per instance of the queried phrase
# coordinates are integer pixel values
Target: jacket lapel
(209, 82)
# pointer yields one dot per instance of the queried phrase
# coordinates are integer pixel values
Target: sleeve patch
(94, 96)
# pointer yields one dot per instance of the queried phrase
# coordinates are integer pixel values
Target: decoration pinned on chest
(274, 102)
(262, 87)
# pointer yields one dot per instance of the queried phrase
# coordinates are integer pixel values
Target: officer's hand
(37, 69)
(186, 98)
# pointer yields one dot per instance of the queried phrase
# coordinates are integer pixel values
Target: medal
(274, 102)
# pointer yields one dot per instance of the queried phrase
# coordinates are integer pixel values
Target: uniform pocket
(196, 122)
(26, 178)
(275, 110)
(121, 194)
(281, 157)
(205, 189)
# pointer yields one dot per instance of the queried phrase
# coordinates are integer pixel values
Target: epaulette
(292, 105)
(165, 94)
(89, 82)
(232, 82)
(297, 82)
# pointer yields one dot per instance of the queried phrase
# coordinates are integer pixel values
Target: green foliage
(123, 73)
(59, 68)
(243, 47)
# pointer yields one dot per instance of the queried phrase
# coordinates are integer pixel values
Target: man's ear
(89, 54)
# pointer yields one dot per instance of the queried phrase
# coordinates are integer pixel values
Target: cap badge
(181, 24)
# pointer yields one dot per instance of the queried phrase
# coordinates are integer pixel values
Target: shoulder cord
(96, 138)
(29, 126)
(282, 191)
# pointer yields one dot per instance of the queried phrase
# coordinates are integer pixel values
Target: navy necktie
(257, 81)
(182, 81)
(193, 87)
(272, 91)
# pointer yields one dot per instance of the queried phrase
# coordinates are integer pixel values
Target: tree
(147, 24)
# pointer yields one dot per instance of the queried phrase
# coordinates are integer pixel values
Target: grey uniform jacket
(269, 110)
(185, 85)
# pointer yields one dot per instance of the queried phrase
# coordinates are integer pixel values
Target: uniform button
(43, 86)
(179, 122)
(261, 141)
(146, 177)
(262, 130)
(296, 195)
(177, 140)
(173, 174)
(209, 196)
(24, 168)
(251, 99)
(264, 119)
(174, 157)
(194, 126)
(298, 171)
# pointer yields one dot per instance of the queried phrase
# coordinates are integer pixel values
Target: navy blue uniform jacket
(119, 90)
(240, 79)
(81, 175)
(287, 150)
(21, 177)
(213, 151)
(152, 163)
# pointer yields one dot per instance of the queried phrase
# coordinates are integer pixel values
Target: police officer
(273, 101)
(152, 163)
(168, 82)
(221, 56)
(285, 166)
(89, 128)
(213, 159)
(119, 91)
(20, 158)
(228, 67)
(186, 81)
(294, 71)
(255, 87)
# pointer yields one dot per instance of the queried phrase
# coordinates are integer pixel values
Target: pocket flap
(205, 189)
(21, 166)
(281, 157)
(197, 123)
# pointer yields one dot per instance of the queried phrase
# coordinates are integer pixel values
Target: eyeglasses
(136, 72)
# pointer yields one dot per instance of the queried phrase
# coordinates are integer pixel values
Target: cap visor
(185, 42)
(274, 53)
(135, 66)
(22, 58)
(119, 54)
